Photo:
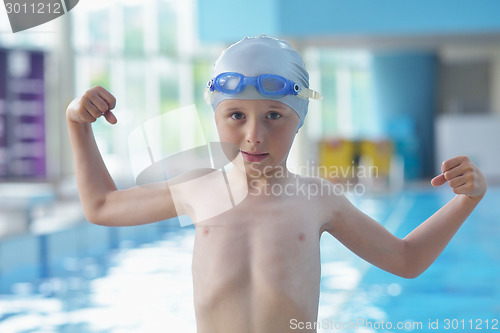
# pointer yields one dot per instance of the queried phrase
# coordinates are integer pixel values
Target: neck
(258, 180)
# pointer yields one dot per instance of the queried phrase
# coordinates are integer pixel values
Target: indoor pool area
(138, 279)
(394, 103)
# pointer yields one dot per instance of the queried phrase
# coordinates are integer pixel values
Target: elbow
(95, 215)
(410, 267)
(98, 222)
(94, 219)
(405, 271)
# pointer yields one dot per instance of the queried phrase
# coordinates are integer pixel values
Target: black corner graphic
(26, 14)
(70, 4)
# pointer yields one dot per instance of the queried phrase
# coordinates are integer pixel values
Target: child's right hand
(96, 102)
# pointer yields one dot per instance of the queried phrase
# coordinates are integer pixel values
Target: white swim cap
(254, 56)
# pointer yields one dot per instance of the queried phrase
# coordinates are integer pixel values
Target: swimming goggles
(232, 83)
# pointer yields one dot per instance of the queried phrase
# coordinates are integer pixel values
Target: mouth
(254, 157)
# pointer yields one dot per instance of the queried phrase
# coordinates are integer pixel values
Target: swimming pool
(99, 280)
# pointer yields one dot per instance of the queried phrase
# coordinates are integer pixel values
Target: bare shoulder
(319, 188)
(328, 197)
(329, 200)
(205, 193)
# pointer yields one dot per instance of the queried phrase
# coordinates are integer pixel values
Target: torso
(257, 266)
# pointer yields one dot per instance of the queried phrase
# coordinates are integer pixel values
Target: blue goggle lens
(229, 83)
(266, 84)
(272, 85)
(232, 83)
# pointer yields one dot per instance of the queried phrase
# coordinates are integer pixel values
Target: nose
(254, 132)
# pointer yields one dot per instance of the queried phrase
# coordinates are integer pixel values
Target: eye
(273, 115)
(237, 116)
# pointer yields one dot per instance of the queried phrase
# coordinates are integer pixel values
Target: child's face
(262, 129)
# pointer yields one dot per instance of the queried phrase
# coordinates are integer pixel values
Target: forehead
(250, 104)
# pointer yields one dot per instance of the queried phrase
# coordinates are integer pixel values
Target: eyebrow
(239, 108)
(232, 109)
(279, 106)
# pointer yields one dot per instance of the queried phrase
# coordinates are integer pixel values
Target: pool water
(139, 279)
(133, 288)
(460, 292)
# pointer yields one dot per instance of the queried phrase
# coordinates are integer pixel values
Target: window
(344, 80)
(144, 52)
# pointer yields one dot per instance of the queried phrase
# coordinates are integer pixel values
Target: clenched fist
(463, 176)
(96, 102)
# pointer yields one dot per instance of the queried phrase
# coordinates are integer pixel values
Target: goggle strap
(305, 93)
(309, 93)
(207, 95)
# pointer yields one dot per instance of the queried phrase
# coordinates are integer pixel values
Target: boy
(256, 267)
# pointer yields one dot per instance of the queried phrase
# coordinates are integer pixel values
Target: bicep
(366, 237)
(135, 206)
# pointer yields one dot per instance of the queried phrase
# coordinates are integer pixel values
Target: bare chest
(270, 244)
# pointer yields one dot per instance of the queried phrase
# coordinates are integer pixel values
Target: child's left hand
(463, 176)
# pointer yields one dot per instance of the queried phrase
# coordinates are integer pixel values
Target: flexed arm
(101, 201)
(411, 256)
(426, 242)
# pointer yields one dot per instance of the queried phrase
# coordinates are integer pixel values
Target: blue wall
(228, 21)
(371, 17)
(405, 103)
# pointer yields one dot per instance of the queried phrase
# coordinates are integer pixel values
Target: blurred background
(405, 86)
